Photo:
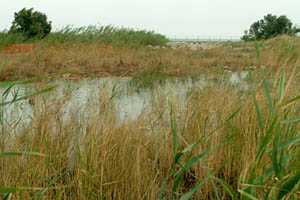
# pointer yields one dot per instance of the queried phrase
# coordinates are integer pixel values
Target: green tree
(270, 26)
(30, 23)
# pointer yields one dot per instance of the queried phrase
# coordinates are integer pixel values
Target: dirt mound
(17, 48)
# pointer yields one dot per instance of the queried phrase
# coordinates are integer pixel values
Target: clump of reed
(117, 36)
(6, 39)
(224, 144)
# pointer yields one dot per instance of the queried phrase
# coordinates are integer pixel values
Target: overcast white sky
(174, 18)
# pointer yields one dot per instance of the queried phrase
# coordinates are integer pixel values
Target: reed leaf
(190, 193)
(227, 187)
(10, 154)
(195, 159)
(288, 185)
(292, 120)
(280, 88)
(247, 195)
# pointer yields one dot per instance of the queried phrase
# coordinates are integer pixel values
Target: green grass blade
(10, 154)
(12, 83)
(49, 177)
(268, 173)
(39, 194)
(190, 193)
(288, 185)
(189, 148)
(213, 184)
(291, 101)
(173, 123)
(265, 141)
(292, 120)
(280, 88)
(284, 144)
(251, 179)
(258, 115)
(227, 187)
(275, 151)
(257, 53)
(226, 121)
(177, 157)
(266, 194)
(195, 159)
(9, 190)
(162, 187)
(256, 104)
(6, 92)
(176, 183)
(30, 95)
(247, 195)
(270, 103)
(6, 196)
(16, 189)
(174, 135)
(192, 146)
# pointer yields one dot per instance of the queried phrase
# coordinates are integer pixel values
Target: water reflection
(83, 98)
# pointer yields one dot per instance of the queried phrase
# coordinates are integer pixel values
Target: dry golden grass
(99, 158)
(103, 60)
(129, 161)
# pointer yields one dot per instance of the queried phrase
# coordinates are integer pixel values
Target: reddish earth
(26, 48)
(17, 48)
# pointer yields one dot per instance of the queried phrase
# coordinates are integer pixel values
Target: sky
(174, 18)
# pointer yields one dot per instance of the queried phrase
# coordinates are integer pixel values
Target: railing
(203, 39)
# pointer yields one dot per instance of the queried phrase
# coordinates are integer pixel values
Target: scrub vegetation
(105, 59)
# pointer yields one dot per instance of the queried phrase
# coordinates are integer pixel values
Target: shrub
(270, 26)
(31, 23)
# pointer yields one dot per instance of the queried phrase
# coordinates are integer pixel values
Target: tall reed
(224, 144)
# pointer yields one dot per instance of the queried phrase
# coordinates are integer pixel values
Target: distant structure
(201, 39)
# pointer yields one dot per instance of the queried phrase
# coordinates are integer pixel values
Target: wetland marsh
(133, 121)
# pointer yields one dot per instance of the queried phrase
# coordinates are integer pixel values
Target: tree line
(270, 26)
(35, 24)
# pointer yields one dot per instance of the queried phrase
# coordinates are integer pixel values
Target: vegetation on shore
(109, 59)
(117, 36)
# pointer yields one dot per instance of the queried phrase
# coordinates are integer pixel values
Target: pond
(79, 100)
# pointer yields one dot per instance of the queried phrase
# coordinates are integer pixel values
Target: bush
(31, 23)
(270, 26)
(6, 38)
(107, 34)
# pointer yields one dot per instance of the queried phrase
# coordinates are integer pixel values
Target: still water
(84, 97)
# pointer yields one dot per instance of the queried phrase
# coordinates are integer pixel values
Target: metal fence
(203, 39)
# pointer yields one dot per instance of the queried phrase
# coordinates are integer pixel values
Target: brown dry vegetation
(130, 161)
(104, 60)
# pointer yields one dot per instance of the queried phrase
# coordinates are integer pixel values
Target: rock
(193, 45)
